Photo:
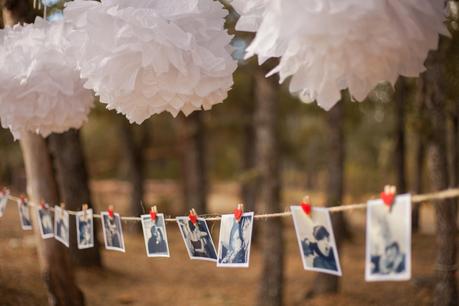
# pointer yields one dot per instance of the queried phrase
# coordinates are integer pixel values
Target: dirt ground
(132, 278)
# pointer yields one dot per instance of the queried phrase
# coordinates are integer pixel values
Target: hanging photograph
(61, 225)
(85, 229)
(154, 233)
(388, 241)
(3, 201)
(24, 215)
(197, 238)
(316, 240)
(113, 232)
(46, 222)
(235, 239)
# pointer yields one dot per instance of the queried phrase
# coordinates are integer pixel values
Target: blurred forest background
(215, 159)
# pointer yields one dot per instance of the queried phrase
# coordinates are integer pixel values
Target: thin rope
(415, 199)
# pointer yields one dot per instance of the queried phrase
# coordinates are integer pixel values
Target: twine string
(415, 199)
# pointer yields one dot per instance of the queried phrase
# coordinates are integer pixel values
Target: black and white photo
(154, 232)
(316, 240)
(46, 222)
(3, 201)
(113, 232)
(388, 241)
(85, 229)
(24, 214)
(234, 241)
(197, 238)
(61, 225)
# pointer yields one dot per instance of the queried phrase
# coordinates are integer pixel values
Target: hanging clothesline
(419, 198)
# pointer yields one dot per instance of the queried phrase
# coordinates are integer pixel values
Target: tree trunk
(194, 168)
(72, 179)
(399, 151)
(133, 156)
(420, 151)
(446, 287)
(54, 260)
(268, 200)
(326, 283)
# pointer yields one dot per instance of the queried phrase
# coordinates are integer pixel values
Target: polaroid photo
(85, 229)
(46, 222)
(24, 214)
(3, 201)
(113, 232)
(154, 233)
(198, 240)
(235, 239)
(61, 225)
(388, 241)
(316, 240)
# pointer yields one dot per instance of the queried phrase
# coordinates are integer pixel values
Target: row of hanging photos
(388, 234)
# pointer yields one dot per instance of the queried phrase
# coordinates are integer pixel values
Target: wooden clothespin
(84, 208)
(306, 205)
(153, 213)
(111, 213)
(193, 217)
(388, 195)
(238, 212)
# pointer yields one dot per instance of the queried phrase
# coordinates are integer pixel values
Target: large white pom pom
(40, 88)
(330, 45)
(144, 57)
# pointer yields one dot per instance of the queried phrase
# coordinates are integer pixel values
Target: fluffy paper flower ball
(330, 45)
(143, 57)
(40, 88)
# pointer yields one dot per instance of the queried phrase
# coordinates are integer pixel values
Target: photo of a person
(24, 215)
(113, 232)
(388, 242)
(321, 250)
(3, 200)
(197, 238)
(316, 240)
(85, 229)
(155, 236)
(46, 223)
(235, 240)
(61, 225)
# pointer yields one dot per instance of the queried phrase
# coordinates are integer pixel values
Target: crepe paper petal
(326, 46)
(144, 57)
(40, 87)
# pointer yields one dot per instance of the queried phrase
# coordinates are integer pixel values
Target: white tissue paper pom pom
(40, 88)
(143, 57)
(330, 45)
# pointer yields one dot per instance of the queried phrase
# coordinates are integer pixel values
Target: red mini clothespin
(306, 205)
(110, 211)
(153, 213)
(42, 204)
(388, 195)
(193, 216)
(238, 212)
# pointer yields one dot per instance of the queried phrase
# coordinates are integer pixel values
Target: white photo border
(235, 265)
(116, 216)
(158, 216)
(185, 218)
(89, 215)
(43, 235)
(403, 199)
(62, 214)
(329, 224)
(24, 226)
